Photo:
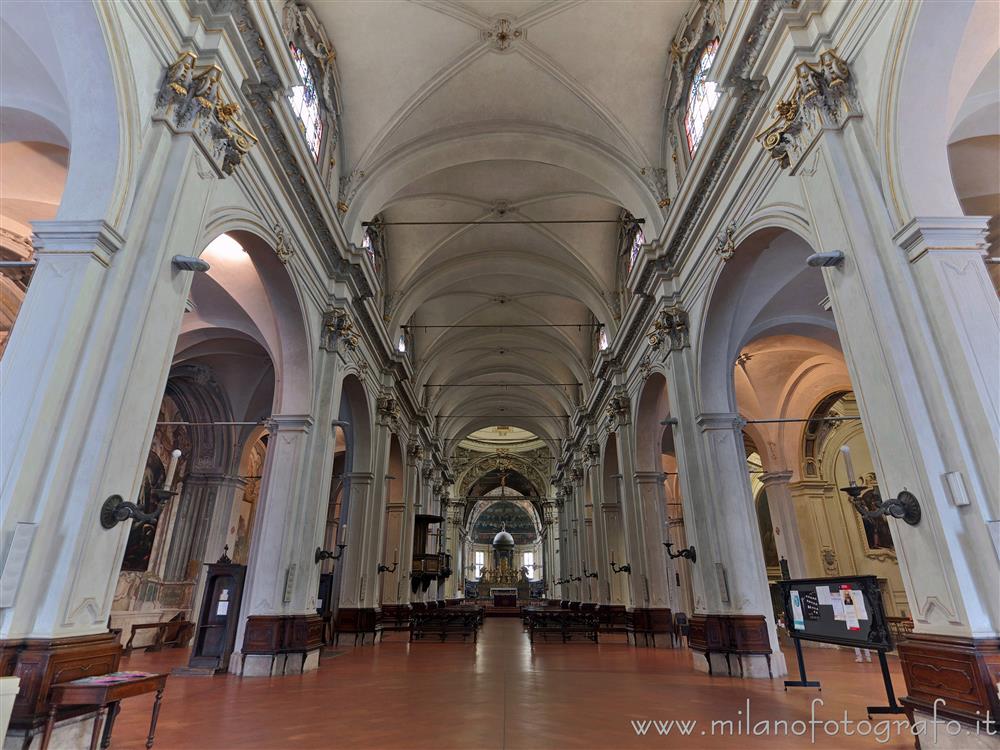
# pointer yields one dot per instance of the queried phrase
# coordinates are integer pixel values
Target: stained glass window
(602, 339)
(702, 97)
(401, 345)
(305, 103)
(638, 240)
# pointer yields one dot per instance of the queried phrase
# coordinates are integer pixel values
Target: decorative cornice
(949, 234)
(96, 238)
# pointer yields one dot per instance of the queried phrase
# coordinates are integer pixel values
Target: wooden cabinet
(215, 637)
(730, 635)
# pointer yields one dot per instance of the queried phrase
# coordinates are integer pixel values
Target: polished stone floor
(504, 693)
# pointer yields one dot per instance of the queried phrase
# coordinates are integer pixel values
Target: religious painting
(877, 532)
(166, 438)
(508, 516)
(142, 535)
(240, 531)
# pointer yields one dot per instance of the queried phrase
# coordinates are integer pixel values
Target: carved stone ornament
(645, 366)
(670, 329)
(617, 411)
(338, 331)
(387, 409)
(349, 185)
(725, 245)
(414, 453)
(190, 101)
(502, 33)
(822, 98)
(656, 179)
(593, 453)
(282, 249)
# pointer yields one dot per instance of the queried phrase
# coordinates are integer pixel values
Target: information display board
(847, 611)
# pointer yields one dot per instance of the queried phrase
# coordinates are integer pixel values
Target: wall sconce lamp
(626, 568)
(573, 578)
(116, 509)
(688, 554)
(325, 554)
(589, 575)
(904, 506)
(382, 568)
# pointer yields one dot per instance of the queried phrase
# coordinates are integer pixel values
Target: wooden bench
(175, 633)
(562, 623)
(446, 623)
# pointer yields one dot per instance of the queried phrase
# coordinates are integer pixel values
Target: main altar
(503, 576)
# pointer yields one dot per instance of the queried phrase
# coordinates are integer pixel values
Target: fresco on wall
(501, 514)
(239, 531)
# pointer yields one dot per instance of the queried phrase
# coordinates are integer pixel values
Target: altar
(504, 597)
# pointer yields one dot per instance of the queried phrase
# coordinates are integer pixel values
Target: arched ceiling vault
(446, 119)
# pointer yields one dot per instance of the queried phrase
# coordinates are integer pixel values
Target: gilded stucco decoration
(670, 329)
(822, 97)
(338, 331)
(191, 101)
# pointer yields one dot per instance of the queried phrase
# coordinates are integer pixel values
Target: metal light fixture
(626, 568)
(116, 509)
(589, 575)
(687, 554)
(904, 506)
(325, 554)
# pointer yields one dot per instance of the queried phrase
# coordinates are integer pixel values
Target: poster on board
(847, 611)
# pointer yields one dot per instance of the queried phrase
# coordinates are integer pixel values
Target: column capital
(360, 477)
(769, 478)
(650, 477)
(289, 423)
(924, 234)
(720, 421)
(96, 238)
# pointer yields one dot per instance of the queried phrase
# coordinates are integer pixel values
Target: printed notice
(223, 608)
(838, 606)
(859, 604)
(810, 605)
(798, 622)
(850, 612)
(823, 594)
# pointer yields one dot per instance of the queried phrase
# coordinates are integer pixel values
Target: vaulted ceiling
(501, 112)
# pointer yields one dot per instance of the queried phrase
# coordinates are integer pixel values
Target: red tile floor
(501, 693)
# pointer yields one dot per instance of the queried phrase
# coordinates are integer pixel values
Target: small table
(105, 691)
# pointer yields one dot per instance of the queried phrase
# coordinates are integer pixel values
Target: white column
(275, 563)
(652, 522)
(787, 538)
(920, 323)
(79, 410)
(357, 489)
